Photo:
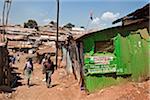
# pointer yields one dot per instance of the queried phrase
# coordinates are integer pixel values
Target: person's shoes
(49, 86)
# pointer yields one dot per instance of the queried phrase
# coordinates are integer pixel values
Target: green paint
(131, 54)
(92, 67)
(94, 83)
(122, 54)
(139, 57)
(89, 41)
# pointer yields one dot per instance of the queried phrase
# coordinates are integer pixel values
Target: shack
(113, 55)
(6, 76)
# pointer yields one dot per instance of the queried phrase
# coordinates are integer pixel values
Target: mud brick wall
(5, 72)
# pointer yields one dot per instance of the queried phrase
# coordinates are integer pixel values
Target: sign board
(103, 60)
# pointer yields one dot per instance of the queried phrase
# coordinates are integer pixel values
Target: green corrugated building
(117, 54)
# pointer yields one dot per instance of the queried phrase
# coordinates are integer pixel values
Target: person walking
(43, 61)
(28, 69)
(43, 66)
(49, 70)
(13, 59)
(18, 58)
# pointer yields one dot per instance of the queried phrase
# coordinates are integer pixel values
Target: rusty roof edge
(81, 37)
(130, 14)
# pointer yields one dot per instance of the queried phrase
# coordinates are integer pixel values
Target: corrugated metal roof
(47, 50)
(18, 44)
(140, 11)
(15, 37)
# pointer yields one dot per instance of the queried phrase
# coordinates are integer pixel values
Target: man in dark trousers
(49, 70)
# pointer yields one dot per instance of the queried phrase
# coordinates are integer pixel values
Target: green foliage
(69, 25)
(82, 27)
(31, 24)
(53, 23)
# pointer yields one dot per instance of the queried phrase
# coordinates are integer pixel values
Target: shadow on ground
(54, 85)
(16, 82)
(6, 89)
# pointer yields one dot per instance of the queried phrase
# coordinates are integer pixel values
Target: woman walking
(28, 69)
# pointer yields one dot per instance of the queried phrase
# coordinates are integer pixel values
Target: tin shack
(117, 54)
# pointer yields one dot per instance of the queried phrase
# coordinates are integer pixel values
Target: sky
(77, 12)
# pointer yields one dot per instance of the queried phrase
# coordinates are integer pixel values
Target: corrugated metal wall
(132, 52)
(133, 55)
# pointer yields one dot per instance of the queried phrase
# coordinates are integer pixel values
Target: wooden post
(57, 33)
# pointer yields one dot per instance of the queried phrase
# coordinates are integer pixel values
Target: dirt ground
(66, 88)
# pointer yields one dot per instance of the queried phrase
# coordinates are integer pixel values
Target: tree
(31, 24)
(69, 25)
(53, 23)
(82, 27)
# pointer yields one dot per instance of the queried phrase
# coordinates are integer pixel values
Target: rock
(101, 91)
(141, 85)
(138, 92)
(36, 78)
(9, 95)
(60, 89)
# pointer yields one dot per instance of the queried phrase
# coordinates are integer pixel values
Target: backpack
(48, 65)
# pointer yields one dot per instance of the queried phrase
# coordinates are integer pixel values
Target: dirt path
(66, 88)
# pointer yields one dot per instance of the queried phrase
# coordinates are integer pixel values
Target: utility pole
(57, 33)
(5, 15)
